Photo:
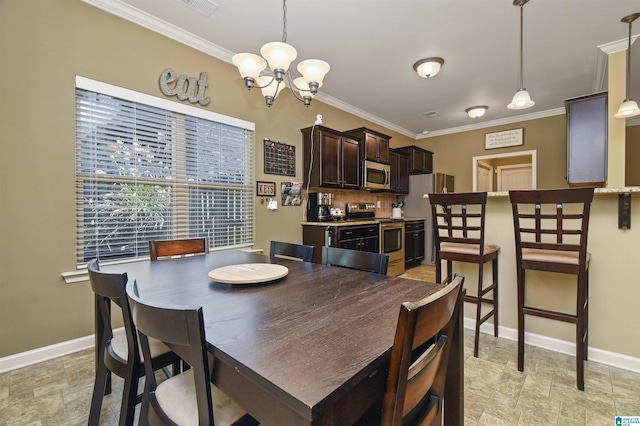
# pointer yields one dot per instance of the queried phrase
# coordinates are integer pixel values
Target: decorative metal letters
(185, 87)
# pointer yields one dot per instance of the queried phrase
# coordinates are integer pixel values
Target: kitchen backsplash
(342, 197)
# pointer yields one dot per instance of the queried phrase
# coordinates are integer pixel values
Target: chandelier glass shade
(522, 99)
(629, 107)
(279, 56)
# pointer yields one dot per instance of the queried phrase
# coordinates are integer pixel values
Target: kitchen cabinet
(332, 156)
(374, 146)
(421, 160)
(587, 139)
(356, 237)
(362, 238)
(399, 163)
(414, 242)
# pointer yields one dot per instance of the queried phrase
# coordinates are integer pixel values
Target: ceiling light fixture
(629, 107)
(428, 67)
(476, 111)
(279, 56)
(522, 99)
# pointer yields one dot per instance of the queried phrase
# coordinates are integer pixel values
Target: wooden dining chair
(169, 248)
(458, 220)
(551, 228)
(355, 259)
(298, 251)
(414, 393)
(188, 398)
(119, 353)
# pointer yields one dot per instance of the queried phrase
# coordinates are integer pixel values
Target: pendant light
(629, 107)
(279, 55)
(522, 99)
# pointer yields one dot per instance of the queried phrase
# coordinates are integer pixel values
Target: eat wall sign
(184, 87)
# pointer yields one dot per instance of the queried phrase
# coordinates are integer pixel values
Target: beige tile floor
(58, 392)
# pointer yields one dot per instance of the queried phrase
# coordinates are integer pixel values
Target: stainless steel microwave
(375, 175)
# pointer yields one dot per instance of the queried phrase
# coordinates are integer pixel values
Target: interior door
(514, 177)
(485, 177)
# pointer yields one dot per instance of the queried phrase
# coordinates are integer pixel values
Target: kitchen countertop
(374, 221)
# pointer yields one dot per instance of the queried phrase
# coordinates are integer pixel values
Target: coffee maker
(319, 206)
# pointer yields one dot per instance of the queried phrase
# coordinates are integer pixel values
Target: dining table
(308, 348)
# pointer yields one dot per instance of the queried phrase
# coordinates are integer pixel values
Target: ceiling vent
(432, 114)
(203, 7)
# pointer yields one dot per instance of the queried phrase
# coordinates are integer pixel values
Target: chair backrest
(181, 328)
(355, 259)
(111, 288)
(460, 219)
(542, 222)
(419, 358)
(297, 251)
(164, 248)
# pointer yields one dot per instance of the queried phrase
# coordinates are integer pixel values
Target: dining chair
(189, 397)
(180, 247)
(551, 228)
(459, 222)
(355, 259)
(298, 251)
(120, 352)
(414, 392)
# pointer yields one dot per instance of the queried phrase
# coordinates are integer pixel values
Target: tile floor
(58, 392)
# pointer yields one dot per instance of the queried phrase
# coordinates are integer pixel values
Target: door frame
(531, 153)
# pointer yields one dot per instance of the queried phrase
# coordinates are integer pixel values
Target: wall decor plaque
(265, 189)
(503, 139)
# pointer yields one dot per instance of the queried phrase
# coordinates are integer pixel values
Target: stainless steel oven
(392, 244)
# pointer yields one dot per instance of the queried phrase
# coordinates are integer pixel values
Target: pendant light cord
(629, 65)
(521, 46)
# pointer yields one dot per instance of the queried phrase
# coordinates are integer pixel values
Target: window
(148, 168)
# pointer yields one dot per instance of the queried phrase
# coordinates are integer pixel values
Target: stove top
(360, 211)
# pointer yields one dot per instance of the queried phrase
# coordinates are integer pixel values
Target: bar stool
(550, 239)
(459, 237)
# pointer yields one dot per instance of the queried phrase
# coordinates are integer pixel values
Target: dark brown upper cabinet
(335, 162)
(374, 145)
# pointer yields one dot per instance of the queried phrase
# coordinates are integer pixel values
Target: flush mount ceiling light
(476, 111)
(429, 67)
(629, 107)
(522, 99)
(279, 56)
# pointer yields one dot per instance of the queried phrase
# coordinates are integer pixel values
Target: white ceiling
(371, 46)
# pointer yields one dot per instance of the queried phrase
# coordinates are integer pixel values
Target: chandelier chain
(284, 21)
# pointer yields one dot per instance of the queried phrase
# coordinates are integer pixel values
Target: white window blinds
(147, 172)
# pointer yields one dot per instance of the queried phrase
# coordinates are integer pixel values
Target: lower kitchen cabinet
(414, 242)
(357, 237)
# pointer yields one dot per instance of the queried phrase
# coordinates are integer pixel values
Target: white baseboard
(24, 359)
(625, 362)
(601, 356)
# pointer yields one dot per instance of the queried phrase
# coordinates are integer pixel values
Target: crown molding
(618, 45)
(502, 121)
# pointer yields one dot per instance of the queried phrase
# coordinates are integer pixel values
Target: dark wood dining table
(310, 348)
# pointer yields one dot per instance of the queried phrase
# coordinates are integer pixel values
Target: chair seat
(177, 397)
(473, 249)
(119, 346)
(552, 256)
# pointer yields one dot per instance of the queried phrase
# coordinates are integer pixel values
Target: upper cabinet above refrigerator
(421, 160)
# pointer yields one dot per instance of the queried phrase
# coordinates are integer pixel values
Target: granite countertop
(597, 191)
(374, 221)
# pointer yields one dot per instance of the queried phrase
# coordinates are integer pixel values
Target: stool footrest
(544, 313)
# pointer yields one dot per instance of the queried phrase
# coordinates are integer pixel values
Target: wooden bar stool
(548, 238)
(459, 237)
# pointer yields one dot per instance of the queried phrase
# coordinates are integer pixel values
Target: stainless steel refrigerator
(415, 205)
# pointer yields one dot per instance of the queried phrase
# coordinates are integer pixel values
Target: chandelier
(522, 99)
(279, 56)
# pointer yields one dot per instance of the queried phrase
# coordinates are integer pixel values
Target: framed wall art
(503, 139)
(265, 189)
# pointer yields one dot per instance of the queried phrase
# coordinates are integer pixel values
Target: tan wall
(632, 171)
(43, 46)
(548, 136)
